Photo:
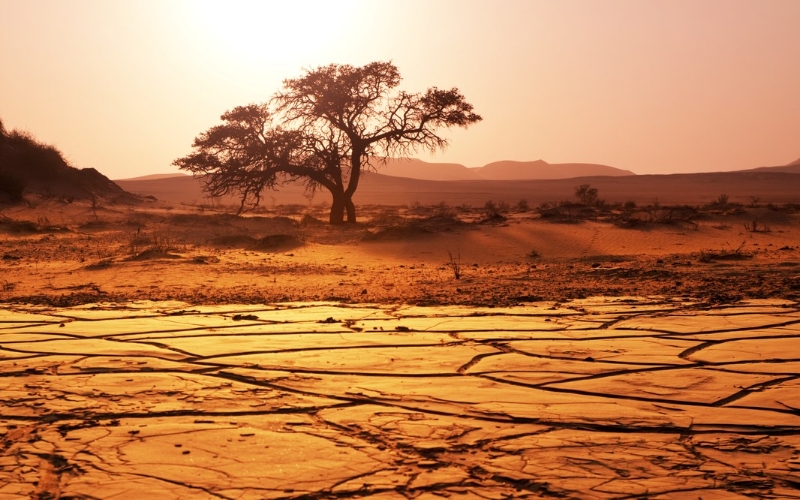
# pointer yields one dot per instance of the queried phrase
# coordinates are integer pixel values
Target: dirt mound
(395, 233)
(277, 243)
(415, 228)
(17, 226)
(233, 241)
(438, 223)
(310, 220)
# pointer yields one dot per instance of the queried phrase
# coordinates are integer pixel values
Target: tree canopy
(323, 129)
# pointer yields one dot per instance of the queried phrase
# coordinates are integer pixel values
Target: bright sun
(282, 30)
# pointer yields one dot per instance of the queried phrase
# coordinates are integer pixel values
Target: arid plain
(632, 349)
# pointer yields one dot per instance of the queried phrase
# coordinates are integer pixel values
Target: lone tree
(323, 129)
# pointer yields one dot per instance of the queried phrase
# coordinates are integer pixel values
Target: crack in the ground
(515, 402)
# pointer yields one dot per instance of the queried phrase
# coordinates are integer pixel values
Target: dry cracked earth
(597, 398)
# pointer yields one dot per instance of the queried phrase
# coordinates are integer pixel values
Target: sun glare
(278, 31)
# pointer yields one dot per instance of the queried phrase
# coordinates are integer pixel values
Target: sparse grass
(94, 204)
(139, 242)
(383, 217)
(565, 212)
(657, 214)
(290, 210)
(729, 253)
(26, 226)
(756, 226)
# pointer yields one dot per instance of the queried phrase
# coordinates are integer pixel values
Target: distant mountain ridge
(792, 168)
(413, 168)
(378, 189)
(540, 170)
(152, 177)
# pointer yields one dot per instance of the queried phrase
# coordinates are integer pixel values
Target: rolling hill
(501, 170)
(540, 169)
(378, 189)
(29, 166)
(413, 168)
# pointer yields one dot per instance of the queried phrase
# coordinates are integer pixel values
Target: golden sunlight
(247, 30)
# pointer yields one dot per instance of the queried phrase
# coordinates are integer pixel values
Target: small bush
(442, 209)
(586, 194)
(494, 210)
(490, 209)
(416, 208)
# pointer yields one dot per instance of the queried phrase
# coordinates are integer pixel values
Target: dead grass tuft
(729, 253)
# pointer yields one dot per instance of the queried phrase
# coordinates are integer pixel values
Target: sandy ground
(579, 353)
(65, 254)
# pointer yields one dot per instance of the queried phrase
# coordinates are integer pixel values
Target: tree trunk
(337, 208)
(351, 209)
(355, 175)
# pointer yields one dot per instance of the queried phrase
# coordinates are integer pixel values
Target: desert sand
(65, 254)
(430, 351)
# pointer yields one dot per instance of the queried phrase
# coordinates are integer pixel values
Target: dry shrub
(757, 226)
(140, 243)
(729, 253)
(454, 263)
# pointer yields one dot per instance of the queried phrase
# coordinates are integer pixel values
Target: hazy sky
(650, 86)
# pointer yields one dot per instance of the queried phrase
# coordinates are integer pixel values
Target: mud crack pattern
(599, 398)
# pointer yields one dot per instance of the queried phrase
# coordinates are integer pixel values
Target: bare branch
(322, 129)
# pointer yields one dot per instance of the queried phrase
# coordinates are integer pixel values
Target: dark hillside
(28, 166)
